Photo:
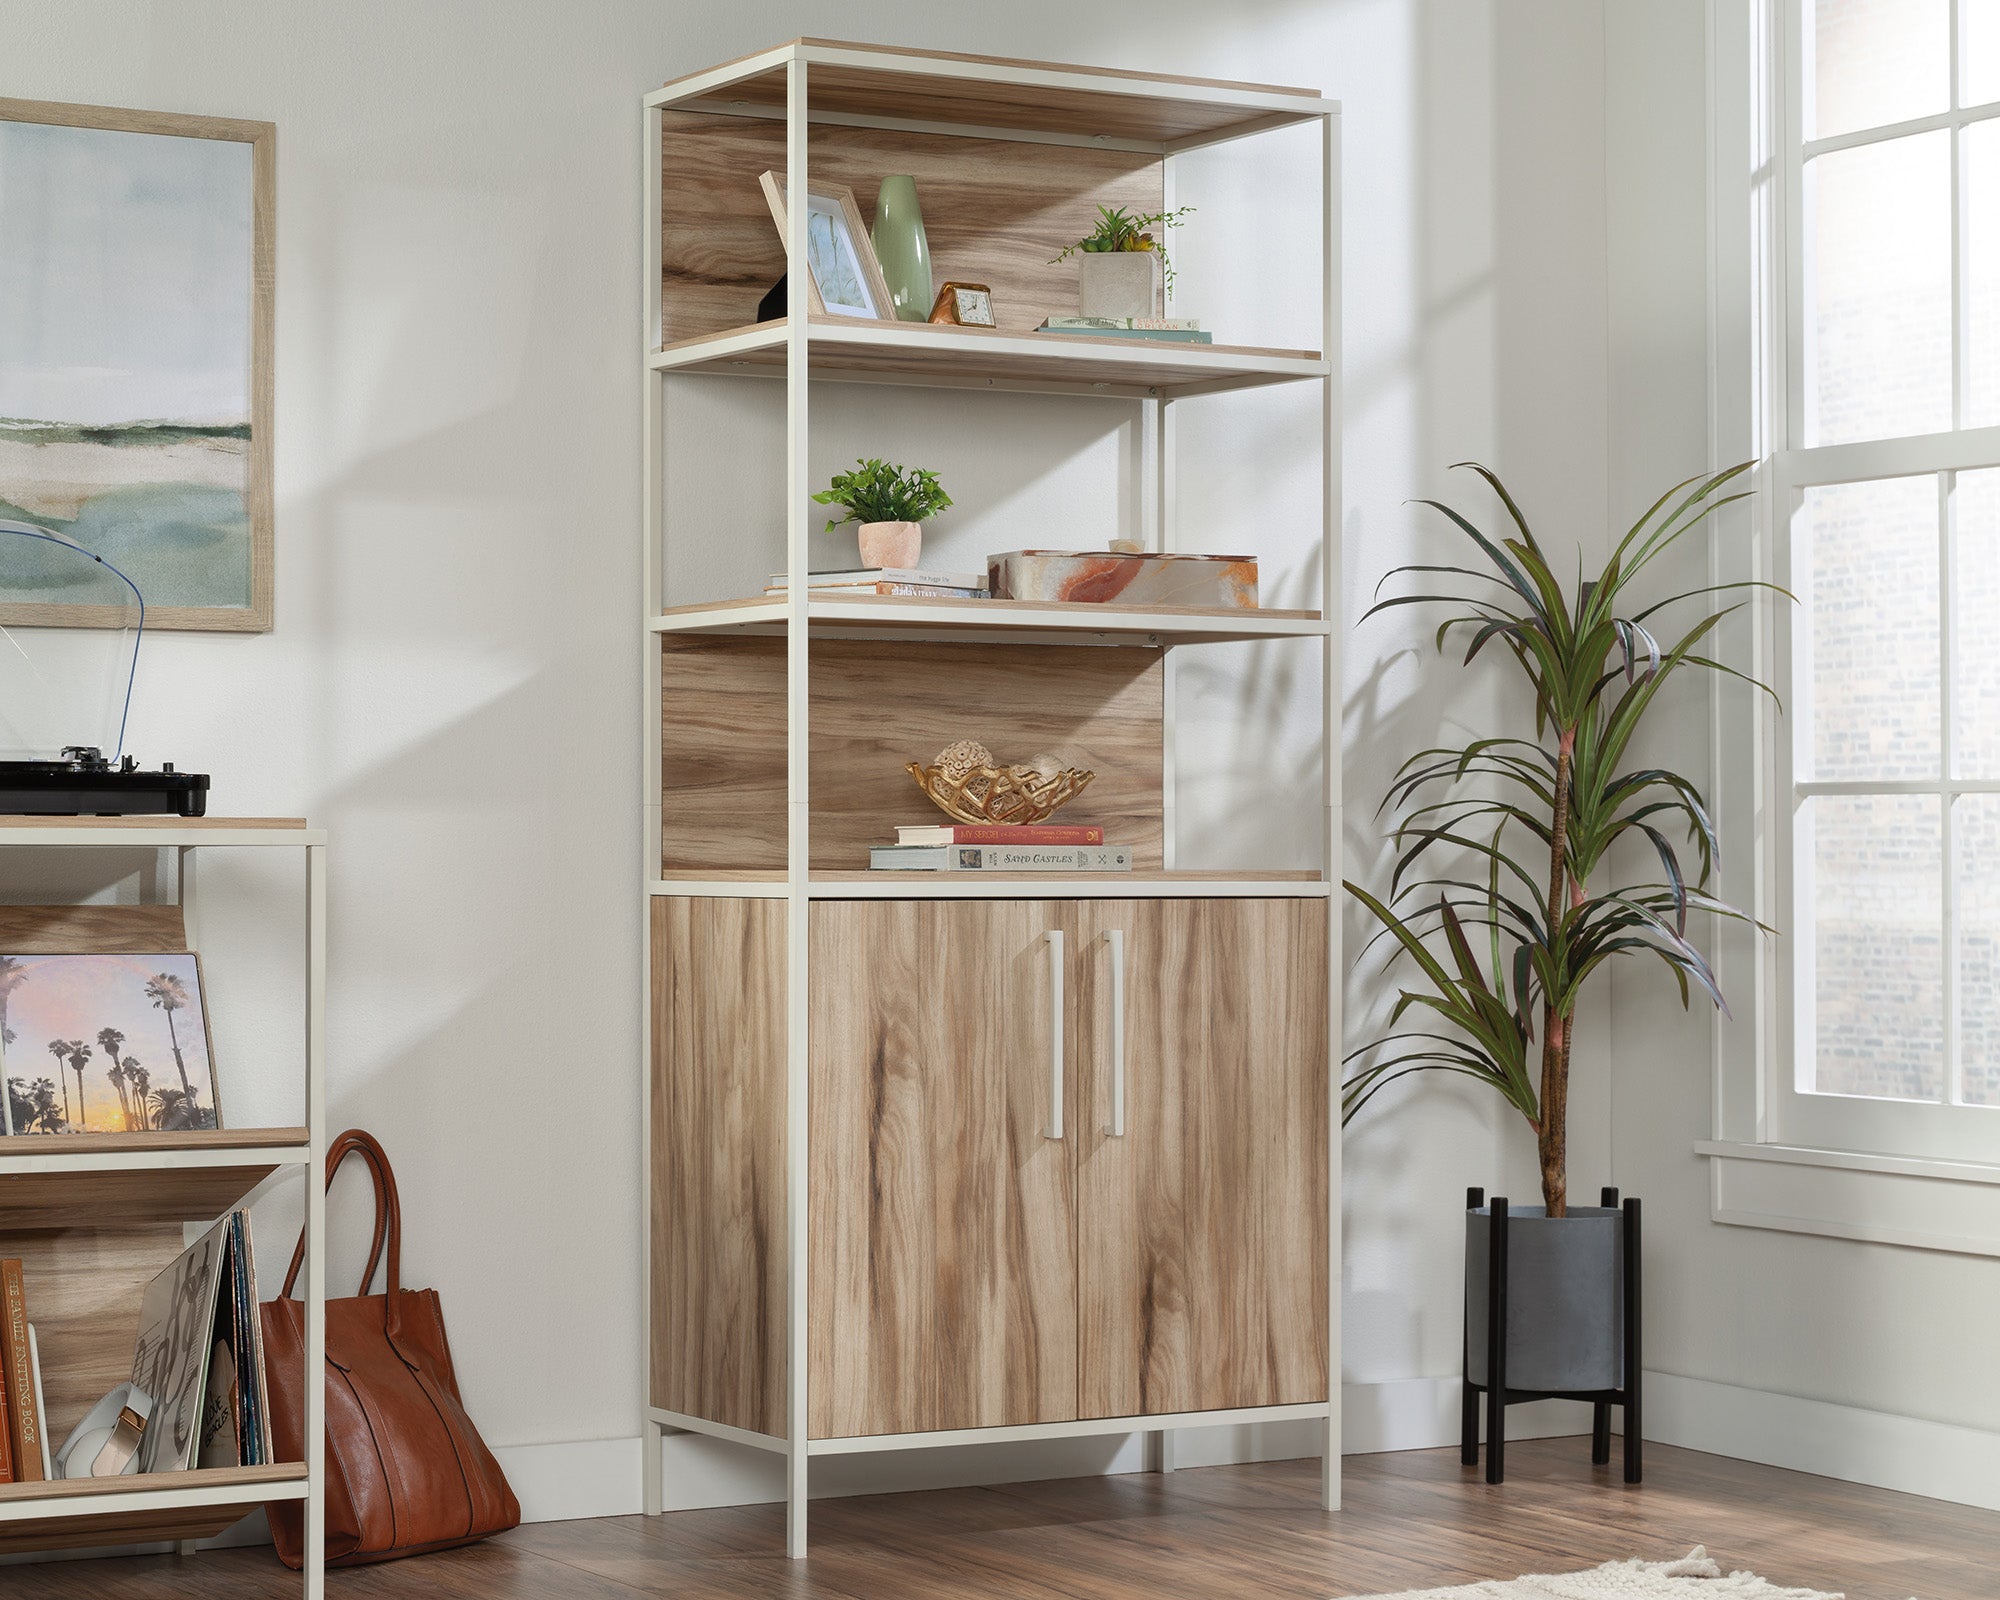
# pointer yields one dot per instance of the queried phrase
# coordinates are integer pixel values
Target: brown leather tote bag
(406, 1471)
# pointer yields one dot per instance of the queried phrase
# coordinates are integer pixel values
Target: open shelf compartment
(84, 1513)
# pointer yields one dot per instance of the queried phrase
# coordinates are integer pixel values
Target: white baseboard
(601, 1477)
(1939, 1460)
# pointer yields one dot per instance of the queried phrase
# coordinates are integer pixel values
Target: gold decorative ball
(966, 755)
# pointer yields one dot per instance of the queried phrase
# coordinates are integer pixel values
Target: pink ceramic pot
(891, 544)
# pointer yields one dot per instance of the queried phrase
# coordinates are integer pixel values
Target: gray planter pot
(1552, 1307)
(1565, 1298)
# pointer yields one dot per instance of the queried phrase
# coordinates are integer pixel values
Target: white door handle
(1055, 1129)
(1115, 937)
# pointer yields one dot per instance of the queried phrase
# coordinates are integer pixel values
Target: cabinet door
(942, 1233)
(1202, 1228)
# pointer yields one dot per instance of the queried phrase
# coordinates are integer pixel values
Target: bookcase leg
(795, 1502)
(1160, 1450)
(651, 1439)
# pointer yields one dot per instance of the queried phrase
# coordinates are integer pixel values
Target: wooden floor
(1248, 1533)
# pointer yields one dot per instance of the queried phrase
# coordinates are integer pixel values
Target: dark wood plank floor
(1410, 1520)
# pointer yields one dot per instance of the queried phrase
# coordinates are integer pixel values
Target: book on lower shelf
(1011, 833)
(927, 591)
(23, 1446)
(999, 858)
(911, 580)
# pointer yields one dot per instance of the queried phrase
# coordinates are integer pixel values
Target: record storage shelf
(87, 1211)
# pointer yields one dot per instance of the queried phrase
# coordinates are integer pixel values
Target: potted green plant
(1122, 270)
(1505, 903)
(891, 503)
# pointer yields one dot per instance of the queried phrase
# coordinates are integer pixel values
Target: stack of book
(890, 580)
(24, 1441)
(987, 847)
(1173, 330)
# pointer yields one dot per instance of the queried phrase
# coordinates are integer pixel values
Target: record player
(83, 784)
(57, 685)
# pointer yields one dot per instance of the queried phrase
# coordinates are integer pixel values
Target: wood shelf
(864, 884)
(1021, 621)
(152, 1508)
(121, 1179)
(158, 833)
(977, 93)
(842, 349)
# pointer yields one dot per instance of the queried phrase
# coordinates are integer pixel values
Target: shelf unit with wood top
(937, 1159)
(94, 1216)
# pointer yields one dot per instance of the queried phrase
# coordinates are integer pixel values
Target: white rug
(1693, 1577)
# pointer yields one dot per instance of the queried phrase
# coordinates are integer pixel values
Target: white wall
(1902, 1334)
(452, 683)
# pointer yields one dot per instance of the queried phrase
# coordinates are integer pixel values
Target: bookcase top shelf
(157, 833)
(996, 621)
(887, 86)
(121, 1180)
(841, 349)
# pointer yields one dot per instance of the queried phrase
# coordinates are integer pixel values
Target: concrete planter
(1565, 1298)
(890, 544)
(1118, 283)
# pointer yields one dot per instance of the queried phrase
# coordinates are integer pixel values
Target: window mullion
(1961, 324)
(1954, 1071)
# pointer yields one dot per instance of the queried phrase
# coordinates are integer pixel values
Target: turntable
(55, 684)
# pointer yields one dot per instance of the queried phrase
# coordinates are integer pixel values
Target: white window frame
(1899, 1172)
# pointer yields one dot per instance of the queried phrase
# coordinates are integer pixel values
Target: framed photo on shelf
(105, 1043)
(844, 278)
(136, 380)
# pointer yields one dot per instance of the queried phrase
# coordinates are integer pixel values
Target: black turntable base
(84, 784)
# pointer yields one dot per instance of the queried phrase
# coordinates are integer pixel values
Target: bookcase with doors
(94, 1216)
(937, 1159)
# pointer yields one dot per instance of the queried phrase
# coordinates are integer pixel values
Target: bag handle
(388, 1216)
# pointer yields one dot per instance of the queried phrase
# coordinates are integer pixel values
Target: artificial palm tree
(169, 994)
(79, 1058)
(110, 1040)
(59, 1048)
(1531, 907)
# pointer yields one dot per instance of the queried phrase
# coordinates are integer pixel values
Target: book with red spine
(23, 1417)
(1025, 833)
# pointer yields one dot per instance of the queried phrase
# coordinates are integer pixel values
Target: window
(1885, 506)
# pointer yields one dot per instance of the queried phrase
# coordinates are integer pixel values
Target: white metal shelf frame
(794, 618)
(184, 844)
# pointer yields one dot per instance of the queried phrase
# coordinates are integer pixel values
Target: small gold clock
(965, 305)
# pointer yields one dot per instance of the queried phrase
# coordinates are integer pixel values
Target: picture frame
(166, 1080)
(843, 276)
(136, 406)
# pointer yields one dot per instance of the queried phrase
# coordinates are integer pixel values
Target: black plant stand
(1496, 1393)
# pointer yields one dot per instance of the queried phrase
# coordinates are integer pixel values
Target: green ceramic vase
(901, 247)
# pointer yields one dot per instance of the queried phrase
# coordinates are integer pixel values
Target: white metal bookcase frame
(797, 889)
(184, 845)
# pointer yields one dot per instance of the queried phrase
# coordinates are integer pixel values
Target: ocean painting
(130, 329)
(104, 1044)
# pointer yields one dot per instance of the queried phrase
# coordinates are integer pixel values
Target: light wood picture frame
(136, 407)
(849, 252)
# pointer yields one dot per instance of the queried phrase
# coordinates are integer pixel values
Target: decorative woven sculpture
(967, 785)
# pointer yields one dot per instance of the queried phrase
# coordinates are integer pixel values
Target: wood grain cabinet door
(943, 1263)
(1202, 1227)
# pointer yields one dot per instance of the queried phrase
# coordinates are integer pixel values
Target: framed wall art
(105, 1043)
(845, 279)
(136, 285)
